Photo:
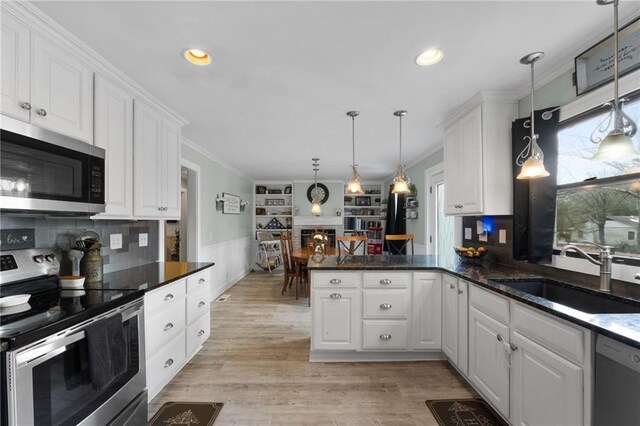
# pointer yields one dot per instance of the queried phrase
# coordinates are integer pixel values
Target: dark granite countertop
(622, 327)
(54, 310)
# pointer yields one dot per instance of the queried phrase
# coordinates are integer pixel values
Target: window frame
(591, 183)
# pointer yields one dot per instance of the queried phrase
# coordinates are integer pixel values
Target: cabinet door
(488, 363)
(427, 311)
(336, 319)
(545, 388)
(463, 326)
(147, 152)
(470, 160)
(14, 85)
(114, 133)
(450, 318)
(451, 170)
(61, 91)
(171, 172)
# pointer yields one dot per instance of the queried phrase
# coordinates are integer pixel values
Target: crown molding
(186, 142)
(45, 26)
(483, 96)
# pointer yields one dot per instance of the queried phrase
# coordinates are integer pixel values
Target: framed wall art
(594, 66)
(231, 204)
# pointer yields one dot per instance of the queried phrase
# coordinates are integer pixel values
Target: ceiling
(285, 73)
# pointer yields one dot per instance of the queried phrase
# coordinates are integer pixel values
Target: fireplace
(306, 234)
(332, 225)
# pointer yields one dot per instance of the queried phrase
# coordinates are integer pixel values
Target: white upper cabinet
(477, 156)
(114, 133)
(156, 151)
(43, 84)
(61, 91)
(15, 69)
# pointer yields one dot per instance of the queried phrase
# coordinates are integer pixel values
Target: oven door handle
(46, 351)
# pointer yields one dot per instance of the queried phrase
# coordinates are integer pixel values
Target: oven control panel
(19, 265)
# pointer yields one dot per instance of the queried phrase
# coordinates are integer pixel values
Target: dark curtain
(396, 223)
(534, 200)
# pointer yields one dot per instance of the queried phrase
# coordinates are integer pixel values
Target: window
(597, 201)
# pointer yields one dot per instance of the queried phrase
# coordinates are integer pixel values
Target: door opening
(442, 232)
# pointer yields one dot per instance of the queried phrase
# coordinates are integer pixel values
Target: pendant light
(618, 142)
(532, 158)
(315, 202)
(400, 180)
(353, 185)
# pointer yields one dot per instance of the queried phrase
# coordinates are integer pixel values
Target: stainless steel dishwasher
(617, 383)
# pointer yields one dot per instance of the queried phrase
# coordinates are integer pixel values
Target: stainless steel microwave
(45, 172)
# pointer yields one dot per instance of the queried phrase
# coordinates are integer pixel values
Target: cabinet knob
(385, 306)
(201, 304)
(499, 337)
(513, 347)
(159, 209)
(385, 281)
(169, 363)
(168, 327)
(452, 286)
(26, 105)
(335, 296)
(385, 337)
(200, 333)
(460, 291)
(169, 296)
(42, 112)
(335, 281)
(201, 280)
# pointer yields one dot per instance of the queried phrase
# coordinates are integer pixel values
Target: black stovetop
(51, 309)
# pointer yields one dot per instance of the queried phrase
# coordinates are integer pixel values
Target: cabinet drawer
(199, 280)
(165, 364)
(198, 333)
(336, 279)
(197, 305)
(490, 303)
(557, 336)
(386, 304)
(387, 279)
(383, 335)
(161, 328)
(163, 297)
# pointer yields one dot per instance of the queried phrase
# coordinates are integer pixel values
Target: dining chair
(402, 241)
(289, 268)
(351, 243)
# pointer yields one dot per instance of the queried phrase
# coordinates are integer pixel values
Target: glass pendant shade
(400, 180)
(316, 209)
(354, 186)
(615, 146)
(532, 168)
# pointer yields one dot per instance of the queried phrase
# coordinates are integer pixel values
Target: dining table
(300, 258)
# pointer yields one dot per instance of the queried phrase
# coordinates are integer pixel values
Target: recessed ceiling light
(429, 57)
(197, 56)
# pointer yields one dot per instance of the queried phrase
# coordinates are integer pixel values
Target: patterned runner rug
(463, 412)
(186, 414)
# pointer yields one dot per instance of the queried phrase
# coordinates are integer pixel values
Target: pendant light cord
(533, 111)
(616, 102)
(353, 140)
(400, 151)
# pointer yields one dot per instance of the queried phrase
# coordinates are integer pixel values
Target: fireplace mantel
(317, 220)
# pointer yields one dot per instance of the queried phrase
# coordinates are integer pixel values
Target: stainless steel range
(52, 370)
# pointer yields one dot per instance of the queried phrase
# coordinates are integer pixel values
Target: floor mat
(461, 412)
(187, 413)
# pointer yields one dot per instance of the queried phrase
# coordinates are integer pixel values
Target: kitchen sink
(581, 299)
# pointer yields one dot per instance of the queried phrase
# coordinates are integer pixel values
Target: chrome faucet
(606, 260)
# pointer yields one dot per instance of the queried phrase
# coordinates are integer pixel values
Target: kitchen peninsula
(507, 342)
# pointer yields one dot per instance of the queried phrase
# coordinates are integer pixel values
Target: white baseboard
(232, 262)
(353, 356)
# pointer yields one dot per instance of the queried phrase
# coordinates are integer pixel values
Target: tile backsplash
(61, 235)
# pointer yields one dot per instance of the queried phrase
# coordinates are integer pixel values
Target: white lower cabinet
(535, 369)
(427, 311)
(336, 319)
(385, 335)
(488, 362)
(177, 323)
(455, 321)
(546, 389)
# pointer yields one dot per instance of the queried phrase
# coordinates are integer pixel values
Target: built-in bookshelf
(364, 211)
(273, 207)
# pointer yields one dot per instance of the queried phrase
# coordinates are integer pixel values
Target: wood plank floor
(257, 363)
